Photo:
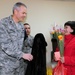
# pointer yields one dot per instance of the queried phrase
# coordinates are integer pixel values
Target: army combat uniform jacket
(27, 48)
(28, 44)
(11, 42)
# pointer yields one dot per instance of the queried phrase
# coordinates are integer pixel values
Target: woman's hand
(57, 56)
(62, 59)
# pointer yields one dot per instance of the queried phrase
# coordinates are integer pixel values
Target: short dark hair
(72, 25)
(26, 24)
(17, 5)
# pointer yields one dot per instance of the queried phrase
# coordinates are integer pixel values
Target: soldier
(28, 42)
(11, 42)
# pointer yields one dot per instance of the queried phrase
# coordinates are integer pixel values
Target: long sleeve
(8, 45)
(70, 60)
(69, 50)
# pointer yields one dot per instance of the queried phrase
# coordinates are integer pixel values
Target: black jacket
(38, 65)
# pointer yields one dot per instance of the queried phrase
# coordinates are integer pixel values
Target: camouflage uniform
(11, 42)
(27, 47)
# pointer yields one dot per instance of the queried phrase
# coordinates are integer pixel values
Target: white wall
(42, 14)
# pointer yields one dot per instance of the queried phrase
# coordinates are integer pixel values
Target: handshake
(28, 56)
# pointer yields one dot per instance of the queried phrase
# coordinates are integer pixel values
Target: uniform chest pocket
(12, 34)
(15, 33)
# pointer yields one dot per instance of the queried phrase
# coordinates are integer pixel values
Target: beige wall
(42, 14)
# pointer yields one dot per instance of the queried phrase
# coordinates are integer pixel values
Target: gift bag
(60, 69)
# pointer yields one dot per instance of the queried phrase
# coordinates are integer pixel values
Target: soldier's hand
(28, 57)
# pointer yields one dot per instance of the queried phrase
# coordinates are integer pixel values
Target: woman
(69, 47)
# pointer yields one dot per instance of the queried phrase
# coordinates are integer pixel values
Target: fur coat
(38, 65)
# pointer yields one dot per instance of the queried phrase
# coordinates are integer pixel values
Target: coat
(28, 42)
(27, 48)
(11, 42)
(38, 65)
(69, 54)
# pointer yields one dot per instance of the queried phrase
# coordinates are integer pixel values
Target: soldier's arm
(7, 45)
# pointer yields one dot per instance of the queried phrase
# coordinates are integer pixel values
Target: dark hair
(17, 5)
(72, 25)
(26, 24)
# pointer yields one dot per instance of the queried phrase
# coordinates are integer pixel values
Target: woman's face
(67, 30)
